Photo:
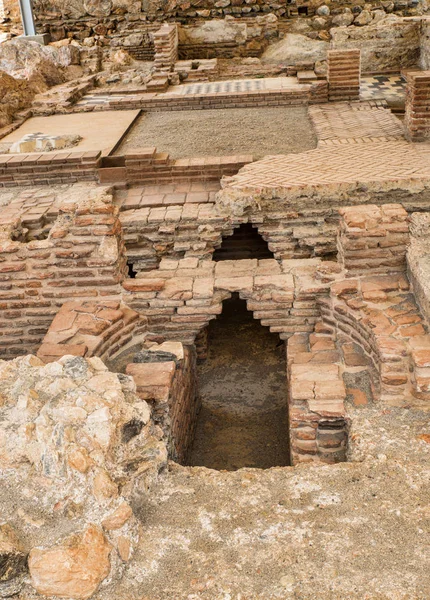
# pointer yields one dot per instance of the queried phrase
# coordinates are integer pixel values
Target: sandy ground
(351, 531)
(195, 133)
(243, 421)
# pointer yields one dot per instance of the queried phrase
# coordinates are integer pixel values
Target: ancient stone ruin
(214, 300)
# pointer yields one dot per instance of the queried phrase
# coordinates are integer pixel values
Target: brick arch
(181, 297)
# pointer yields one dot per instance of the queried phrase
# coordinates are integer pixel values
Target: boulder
(78, 444)
(364, 18)
(295, 48)
(344, 19)
(74, 568)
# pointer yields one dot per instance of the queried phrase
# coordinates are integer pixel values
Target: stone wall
(389, 44)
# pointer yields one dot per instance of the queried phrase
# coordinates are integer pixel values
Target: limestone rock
(364, 18)
(15, 95)
(295, 48)
(12, 554)
(344, 19)
(40, 65)
(214, 32)
(74, 568)
(323, 10)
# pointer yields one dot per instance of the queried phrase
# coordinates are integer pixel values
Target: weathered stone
(13, 558)
(72, 569)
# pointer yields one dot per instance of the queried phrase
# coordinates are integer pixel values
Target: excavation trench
(243, 421)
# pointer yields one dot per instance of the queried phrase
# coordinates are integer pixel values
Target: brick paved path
(354, 121)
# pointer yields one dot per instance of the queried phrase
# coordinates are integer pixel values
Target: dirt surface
(351, 531)
(196, 133)
(243, 421)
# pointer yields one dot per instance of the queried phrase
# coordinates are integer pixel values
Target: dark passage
(243, 421)
(245, 242)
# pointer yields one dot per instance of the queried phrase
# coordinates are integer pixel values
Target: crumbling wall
(389, 44)
(83, 257)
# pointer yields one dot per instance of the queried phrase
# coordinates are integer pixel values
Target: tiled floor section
(383, 87)
(342, 164)
(236, 85)
(354, 121)
(169, 194)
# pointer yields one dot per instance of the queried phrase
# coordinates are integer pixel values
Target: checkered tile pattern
(224, 87)
(99, 99)
(387, 87)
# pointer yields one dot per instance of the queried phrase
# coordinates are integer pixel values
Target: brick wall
(166, 47)
(171, 390)
(373, 239)
(318, 423)
(417, 108)
(181, 297)
(83, 257)
(343, 74)
(48, 168)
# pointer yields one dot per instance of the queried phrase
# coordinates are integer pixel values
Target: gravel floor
(256, 131)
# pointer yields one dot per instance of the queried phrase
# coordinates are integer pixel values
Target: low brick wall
(318, 423)
(417, 108)
(147, 166)
(373, 239)
(48, 168)
(171, 390)
(343, 75)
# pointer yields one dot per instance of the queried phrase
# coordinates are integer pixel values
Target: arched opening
(243, 421)
(245, 243)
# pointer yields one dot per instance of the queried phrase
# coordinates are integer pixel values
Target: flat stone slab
(99, 131)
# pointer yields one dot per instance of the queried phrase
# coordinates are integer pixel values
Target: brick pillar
(417, 110)
(166, 47)
(343, 75)
(373, 239)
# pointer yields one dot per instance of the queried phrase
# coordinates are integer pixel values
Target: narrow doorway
(244, 417)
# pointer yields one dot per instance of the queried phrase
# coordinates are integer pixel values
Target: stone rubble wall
(417, 119)
(343, 75)
(390, 44)
(424, 60)
(77, 447)
(373, 239)
(317, 417)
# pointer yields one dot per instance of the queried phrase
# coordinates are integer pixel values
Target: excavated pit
(243, 421)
